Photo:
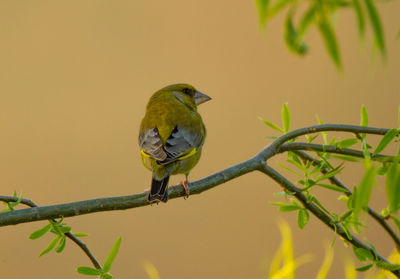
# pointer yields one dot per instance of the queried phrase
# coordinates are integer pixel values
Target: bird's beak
(200, 98)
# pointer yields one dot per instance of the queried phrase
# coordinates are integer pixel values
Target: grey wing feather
(180, 142)
(150, 141)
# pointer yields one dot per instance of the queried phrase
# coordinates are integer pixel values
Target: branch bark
(75, 239)
(258, 162)
(375, 215)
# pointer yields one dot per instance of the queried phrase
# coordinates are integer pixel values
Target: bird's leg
(185, 185)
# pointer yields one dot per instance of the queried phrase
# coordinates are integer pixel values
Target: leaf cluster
(321, 171)
(321, 14)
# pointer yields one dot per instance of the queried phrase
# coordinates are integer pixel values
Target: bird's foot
(186, 187)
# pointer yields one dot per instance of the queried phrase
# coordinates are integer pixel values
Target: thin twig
(292, 146)
(75, 239)
(380, 219)
(320, 214)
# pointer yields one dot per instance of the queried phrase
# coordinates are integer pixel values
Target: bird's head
(187, 94)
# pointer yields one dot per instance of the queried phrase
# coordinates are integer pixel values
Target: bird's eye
(186, 90)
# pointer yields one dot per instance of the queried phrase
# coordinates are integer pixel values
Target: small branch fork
(78, 242)
(256, 163)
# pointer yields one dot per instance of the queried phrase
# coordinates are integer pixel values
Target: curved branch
(258, 162)
(138, 200)
(293, 146)
(375, 215)
(273, 148)
(75, 239)
(123, 202)
(316, 211)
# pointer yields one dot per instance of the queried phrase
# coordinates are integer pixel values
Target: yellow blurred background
(75, 77)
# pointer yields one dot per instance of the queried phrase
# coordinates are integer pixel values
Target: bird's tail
(158, 189)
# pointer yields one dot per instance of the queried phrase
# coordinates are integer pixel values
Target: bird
(171, 136)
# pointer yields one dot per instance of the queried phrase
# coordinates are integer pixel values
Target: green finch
(171, 136)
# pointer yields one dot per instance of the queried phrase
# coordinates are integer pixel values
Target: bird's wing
(182, 142)
(150, 142)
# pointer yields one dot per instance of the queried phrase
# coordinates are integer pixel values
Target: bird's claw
(186, 187)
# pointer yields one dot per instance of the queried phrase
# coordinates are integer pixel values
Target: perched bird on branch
(171, 136)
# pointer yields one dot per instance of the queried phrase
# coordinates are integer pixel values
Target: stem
(381, 220)
(317, 212)
(293, 146)
(75, 239)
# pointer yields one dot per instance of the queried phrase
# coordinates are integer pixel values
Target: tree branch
(293, 146)
(317, 212)
(75, 239)
(258, 162)
(375, 215)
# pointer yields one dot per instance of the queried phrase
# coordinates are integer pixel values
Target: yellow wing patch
(192, 152)
(144, 154)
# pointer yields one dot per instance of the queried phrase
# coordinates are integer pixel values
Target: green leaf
(297, 164)
(292, 39)
(364, 268)
(396, 221)
(61, 245)
(302, 218)
(363, 254)
(111, 256)
(64, 229)
(330, 174)
(330, 41)
(279, 5)
(80, 234)
(352, 198)
(106, 276)
(345, 158)
(332, 187)
(284, 194)
(347, 143)
(347, 232)
(343, 198)
(364, 191)
(289, 169)
(306, 20)
(285, 118)
(40, 232)
(387, 266)
(310, 139)
(376, 26)
(393, 186)
(314, 199)
(364, 116)
(389, 136)
(346, 215)
(360, 18)
(14, 204)
(51, 246)
(324, 135)
(278, 203)
(262, 7)
(271, 125)
(288, 208)
(383, 170)
(86, 270)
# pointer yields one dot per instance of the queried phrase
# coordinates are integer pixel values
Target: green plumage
(171, 135)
